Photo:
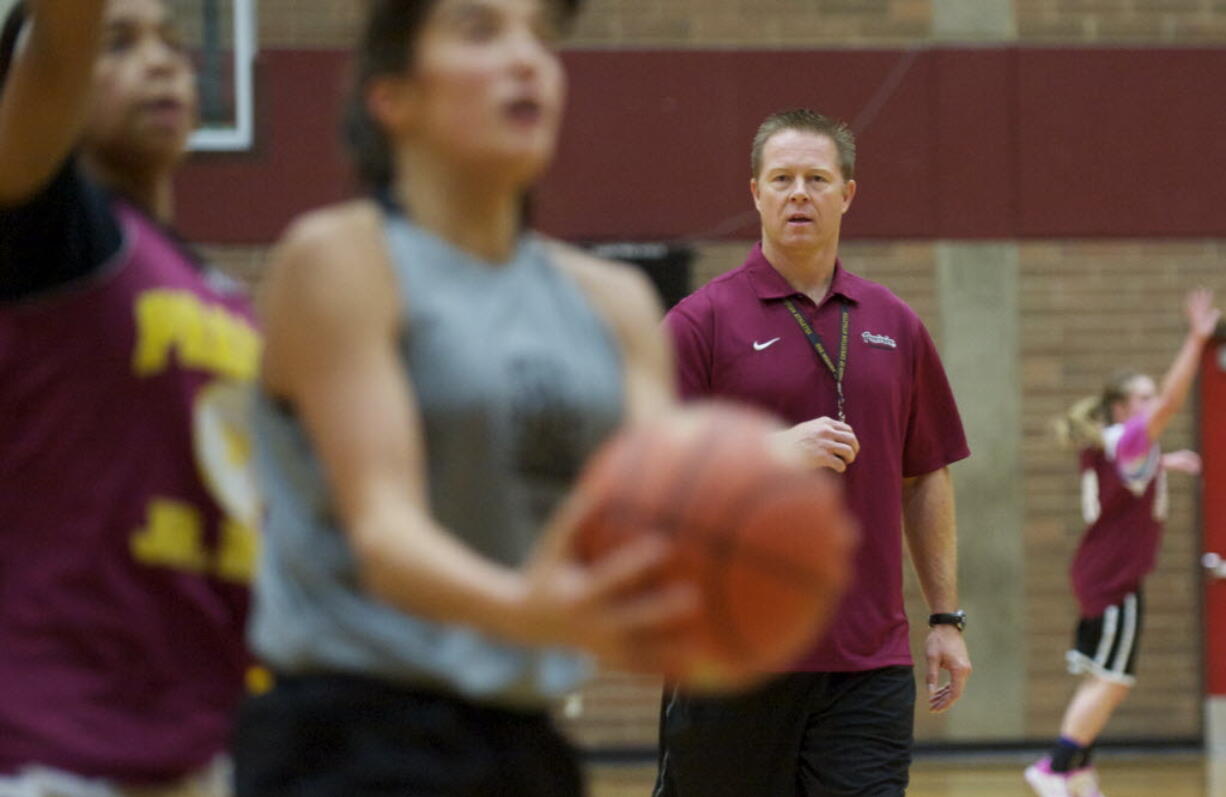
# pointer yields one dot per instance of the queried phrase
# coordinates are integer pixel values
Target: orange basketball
(765, 540)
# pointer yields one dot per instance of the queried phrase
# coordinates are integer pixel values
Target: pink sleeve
(692, 350)
(1136, 458)
(1134, 443)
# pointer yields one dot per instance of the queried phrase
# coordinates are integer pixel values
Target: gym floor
(1146, 776)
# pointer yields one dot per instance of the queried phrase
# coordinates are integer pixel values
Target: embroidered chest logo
(760, 346)
(878, 341)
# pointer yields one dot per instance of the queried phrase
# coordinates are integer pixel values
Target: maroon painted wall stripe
(1122, 143)
(297, 162)
(954, 143)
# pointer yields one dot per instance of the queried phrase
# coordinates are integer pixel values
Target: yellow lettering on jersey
(259, 680)
(240, 547)
(203, 336)
(173, 537)
(158, 315)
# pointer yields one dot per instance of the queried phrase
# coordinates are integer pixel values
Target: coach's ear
(753, 190)
(849, 193)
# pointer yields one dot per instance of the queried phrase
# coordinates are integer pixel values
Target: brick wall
(797, 23)
(751, 23)
(1184, 22)
(245, 263)
(308, 24)
(653, 23)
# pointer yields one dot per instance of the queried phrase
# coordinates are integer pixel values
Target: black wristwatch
(956, 619)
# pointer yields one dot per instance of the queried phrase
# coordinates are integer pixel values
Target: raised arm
(1203, 318)
(331, 323)
(46, 93)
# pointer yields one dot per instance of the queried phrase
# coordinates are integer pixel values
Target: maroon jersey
(126, 518)
(1124, 501)
(736, 339)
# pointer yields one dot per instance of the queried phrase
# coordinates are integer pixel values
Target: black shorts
(1106, 646)
(332, 735)
(802, 735)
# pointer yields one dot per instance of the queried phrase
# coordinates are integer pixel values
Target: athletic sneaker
(1090, 780)
(1046, 783)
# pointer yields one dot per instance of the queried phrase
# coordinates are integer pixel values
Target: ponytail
(1083, 424)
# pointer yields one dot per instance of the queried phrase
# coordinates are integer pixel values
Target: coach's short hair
(807, 121)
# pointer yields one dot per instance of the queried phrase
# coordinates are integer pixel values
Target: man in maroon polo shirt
(852, 367)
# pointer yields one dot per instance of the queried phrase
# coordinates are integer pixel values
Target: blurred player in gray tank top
(435, 377)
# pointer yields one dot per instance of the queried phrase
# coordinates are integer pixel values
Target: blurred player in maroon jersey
(127, 531)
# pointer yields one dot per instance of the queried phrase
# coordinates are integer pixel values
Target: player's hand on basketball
(823, 443)
(1203, 317)
(617, 608)
(946, 650)
(1182, 461)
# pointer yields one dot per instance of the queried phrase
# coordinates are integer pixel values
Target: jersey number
(174, 531)
(173, 536)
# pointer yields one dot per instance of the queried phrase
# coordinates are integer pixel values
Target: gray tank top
(517, 381)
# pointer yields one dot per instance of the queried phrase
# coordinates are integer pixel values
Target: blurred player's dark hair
(8, 39)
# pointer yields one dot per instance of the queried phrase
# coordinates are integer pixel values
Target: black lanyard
(815, 339)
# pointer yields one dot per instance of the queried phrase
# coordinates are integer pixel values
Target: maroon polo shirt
(736, 339)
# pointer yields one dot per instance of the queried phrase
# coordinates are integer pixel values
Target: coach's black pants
(801, 735)
(344, 736)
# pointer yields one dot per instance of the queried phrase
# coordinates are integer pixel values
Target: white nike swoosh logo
(760, 346)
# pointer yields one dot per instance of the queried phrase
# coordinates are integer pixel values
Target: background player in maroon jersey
(127, 534)
(1123, 482)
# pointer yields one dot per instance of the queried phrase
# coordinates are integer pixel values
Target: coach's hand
(823, 443)
(946, 650)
